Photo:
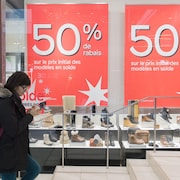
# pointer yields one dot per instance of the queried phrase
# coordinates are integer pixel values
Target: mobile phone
(42, 104)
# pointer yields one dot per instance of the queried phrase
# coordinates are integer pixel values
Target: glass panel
(15, 41)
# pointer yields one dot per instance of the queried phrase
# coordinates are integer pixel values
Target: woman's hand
(34, 111)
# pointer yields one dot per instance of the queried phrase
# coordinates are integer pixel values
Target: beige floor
(41, 177)
(44, 177)
(89, 173)
(162, 165)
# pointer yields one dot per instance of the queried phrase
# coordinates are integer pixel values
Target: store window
(15, 40)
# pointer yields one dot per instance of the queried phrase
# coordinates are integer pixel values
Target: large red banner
(67, 51)
(152, 55)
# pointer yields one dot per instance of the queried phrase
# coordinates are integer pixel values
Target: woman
(14, 120)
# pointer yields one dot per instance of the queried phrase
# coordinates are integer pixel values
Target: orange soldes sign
(67, 50)
(152, 55)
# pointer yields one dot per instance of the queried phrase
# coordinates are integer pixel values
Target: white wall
(116, 41)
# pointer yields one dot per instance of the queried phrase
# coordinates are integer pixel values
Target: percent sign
(97, 34)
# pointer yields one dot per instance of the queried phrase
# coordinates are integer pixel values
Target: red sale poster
(67, 52)
(152, 55)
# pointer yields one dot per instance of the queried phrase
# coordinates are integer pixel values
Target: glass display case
(81, 137)
(151, 123)
(75, 138)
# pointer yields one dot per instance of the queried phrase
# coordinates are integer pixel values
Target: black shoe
(52, 138)
(58, 126)
(151, 116)
(73, 117)
(164, 113)
(93, 109)
(152, 144)
(111, 138)
(105, 113)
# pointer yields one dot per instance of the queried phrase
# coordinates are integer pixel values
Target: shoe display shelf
(79, 145)
(37, 129)
(161, 124)
(46, 134)
(150, 146)
(163, 127)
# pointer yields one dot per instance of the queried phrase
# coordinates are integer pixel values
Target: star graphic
(30, 98)
(95, 94)
(47, 91)
(40, 81)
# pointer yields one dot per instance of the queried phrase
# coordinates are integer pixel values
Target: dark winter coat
(14, 142)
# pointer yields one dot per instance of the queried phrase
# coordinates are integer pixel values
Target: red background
(140, 84)
(92, 68)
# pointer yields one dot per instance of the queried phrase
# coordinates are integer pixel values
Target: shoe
(106, 139)
(170, 140)
(105, 122)
(128, 123)
(163, 141)
(89, 119)
(136, 111)
(93, 109)
(96, 141)
(34, 125)
(73, 118)
(105, 118)
(145, 118)
(31, 139)
(168, 115)
(178, 120)
(152, 144)
(151, 116)
(58, 126)
(164, 113)
(64, 138)
(105, 113)
(47, 141)
(52, 138)
(75, 137)
(87, 123)
(111, 138)
(132, 139)
(167, 141)
(132, 119)
(133, 109)
(67, 119)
